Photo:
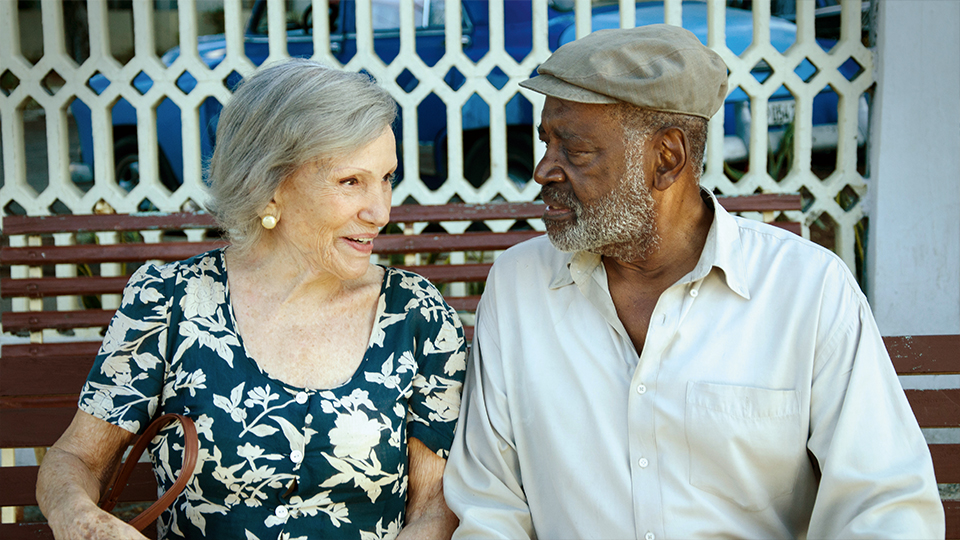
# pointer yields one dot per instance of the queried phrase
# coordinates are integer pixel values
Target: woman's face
(329, 217)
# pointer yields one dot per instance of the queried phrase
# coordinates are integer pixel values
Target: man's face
(594, 185)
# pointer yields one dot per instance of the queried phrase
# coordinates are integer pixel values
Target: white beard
(620, 224)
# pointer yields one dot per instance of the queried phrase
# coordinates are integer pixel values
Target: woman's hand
(428, 517)
(73, 475)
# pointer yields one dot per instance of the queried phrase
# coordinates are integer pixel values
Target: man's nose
(548, 169)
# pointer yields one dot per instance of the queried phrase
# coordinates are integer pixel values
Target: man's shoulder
(759, 236)
(789, 257)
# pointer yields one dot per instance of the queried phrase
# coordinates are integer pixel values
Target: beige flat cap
(659, 66)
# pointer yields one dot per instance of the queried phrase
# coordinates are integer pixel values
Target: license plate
(780, 112)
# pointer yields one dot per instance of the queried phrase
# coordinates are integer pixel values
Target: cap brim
(558, 88)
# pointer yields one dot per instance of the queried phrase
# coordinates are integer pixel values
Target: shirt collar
(722, 250)
(577, 266)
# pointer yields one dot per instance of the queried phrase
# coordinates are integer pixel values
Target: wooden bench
(66, 274)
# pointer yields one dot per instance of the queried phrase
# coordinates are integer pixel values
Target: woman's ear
(670, 152)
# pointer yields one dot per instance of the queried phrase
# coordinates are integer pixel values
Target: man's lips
(556, 212)
(555, 208)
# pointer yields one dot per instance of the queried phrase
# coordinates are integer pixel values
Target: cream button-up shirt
(763, 404)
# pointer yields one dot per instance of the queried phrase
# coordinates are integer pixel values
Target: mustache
(551, 193)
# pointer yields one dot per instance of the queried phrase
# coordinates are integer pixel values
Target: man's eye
(391, 178)
(349, 181)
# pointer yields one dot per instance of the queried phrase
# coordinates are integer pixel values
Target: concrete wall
(913, 261)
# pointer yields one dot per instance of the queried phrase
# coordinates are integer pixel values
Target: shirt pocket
(745, 443)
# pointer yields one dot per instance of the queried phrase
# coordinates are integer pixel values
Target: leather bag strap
(191, 449)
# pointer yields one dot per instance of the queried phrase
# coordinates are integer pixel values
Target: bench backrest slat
(39, 382)
(410, 213)
(924, 354)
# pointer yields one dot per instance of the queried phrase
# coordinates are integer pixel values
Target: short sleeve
(441, 364)
(126, 381)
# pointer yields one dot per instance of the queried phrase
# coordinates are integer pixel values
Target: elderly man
(659, 368)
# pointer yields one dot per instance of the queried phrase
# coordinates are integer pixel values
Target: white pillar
(913, 260)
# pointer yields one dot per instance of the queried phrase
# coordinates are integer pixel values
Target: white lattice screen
(833, 189)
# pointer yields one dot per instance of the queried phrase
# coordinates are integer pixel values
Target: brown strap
(191, 448)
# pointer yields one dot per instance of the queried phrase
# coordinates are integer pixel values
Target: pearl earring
(268, 222)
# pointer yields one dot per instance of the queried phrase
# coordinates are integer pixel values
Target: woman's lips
(361, 243)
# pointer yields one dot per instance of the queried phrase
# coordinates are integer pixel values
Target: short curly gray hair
(286, 116)
(639, 124)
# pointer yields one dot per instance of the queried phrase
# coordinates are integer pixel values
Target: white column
(913, 260)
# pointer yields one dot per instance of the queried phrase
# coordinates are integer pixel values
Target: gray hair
(639, 124)
(286, 116)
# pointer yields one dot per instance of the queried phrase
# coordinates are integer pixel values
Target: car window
(386, 15)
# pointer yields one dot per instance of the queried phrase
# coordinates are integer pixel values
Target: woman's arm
(75, 472)
(428, 517)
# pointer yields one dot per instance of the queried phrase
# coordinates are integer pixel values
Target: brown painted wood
(43, 350)
(171, 251)
(28, 376)
(936, 408)
(463, 303)
(399, 214)
(33, 321)
(449, 273)
(389, 244)
(946, 462)
(415, 213)
(40, 531)
(52, 286)
(107, 222)
(19, 485)
(917, 355)
(25, 531)
(761, 202)
(791, 226)
(35, 427)
(93, 253)
(952, 511)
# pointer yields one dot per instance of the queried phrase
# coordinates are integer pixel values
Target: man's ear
(670, 152)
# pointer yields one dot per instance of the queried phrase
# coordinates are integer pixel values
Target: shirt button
(643, 463)
(301, 397)
(649, 536)
(281, 512)
(693, 293)
(642, 389)
(296, 456)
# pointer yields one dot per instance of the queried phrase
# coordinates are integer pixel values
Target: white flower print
(383, 533)
(447, 340)
(202, 297)
(352, 479)
(355, 435)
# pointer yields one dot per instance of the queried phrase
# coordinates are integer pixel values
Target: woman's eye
(391, 179)
(349, 181)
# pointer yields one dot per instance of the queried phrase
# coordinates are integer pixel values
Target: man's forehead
(570, 119)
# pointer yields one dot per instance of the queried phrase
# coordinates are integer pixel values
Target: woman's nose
(377, 207)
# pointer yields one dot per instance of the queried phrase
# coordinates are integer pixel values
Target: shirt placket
(643, 415)
(286, 510)
(643, 419)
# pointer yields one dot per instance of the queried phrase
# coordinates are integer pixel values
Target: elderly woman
(325, 389)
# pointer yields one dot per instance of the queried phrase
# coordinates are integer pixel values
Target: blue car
(430, 46)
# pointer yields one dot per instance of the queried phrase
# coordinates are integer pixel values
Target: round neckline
(361, 367)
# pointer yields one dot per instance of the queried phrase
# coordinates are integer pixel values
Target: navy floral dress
(277, 461)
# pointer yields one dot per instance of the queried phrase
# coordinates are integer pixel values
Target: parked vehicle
(430, 46)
